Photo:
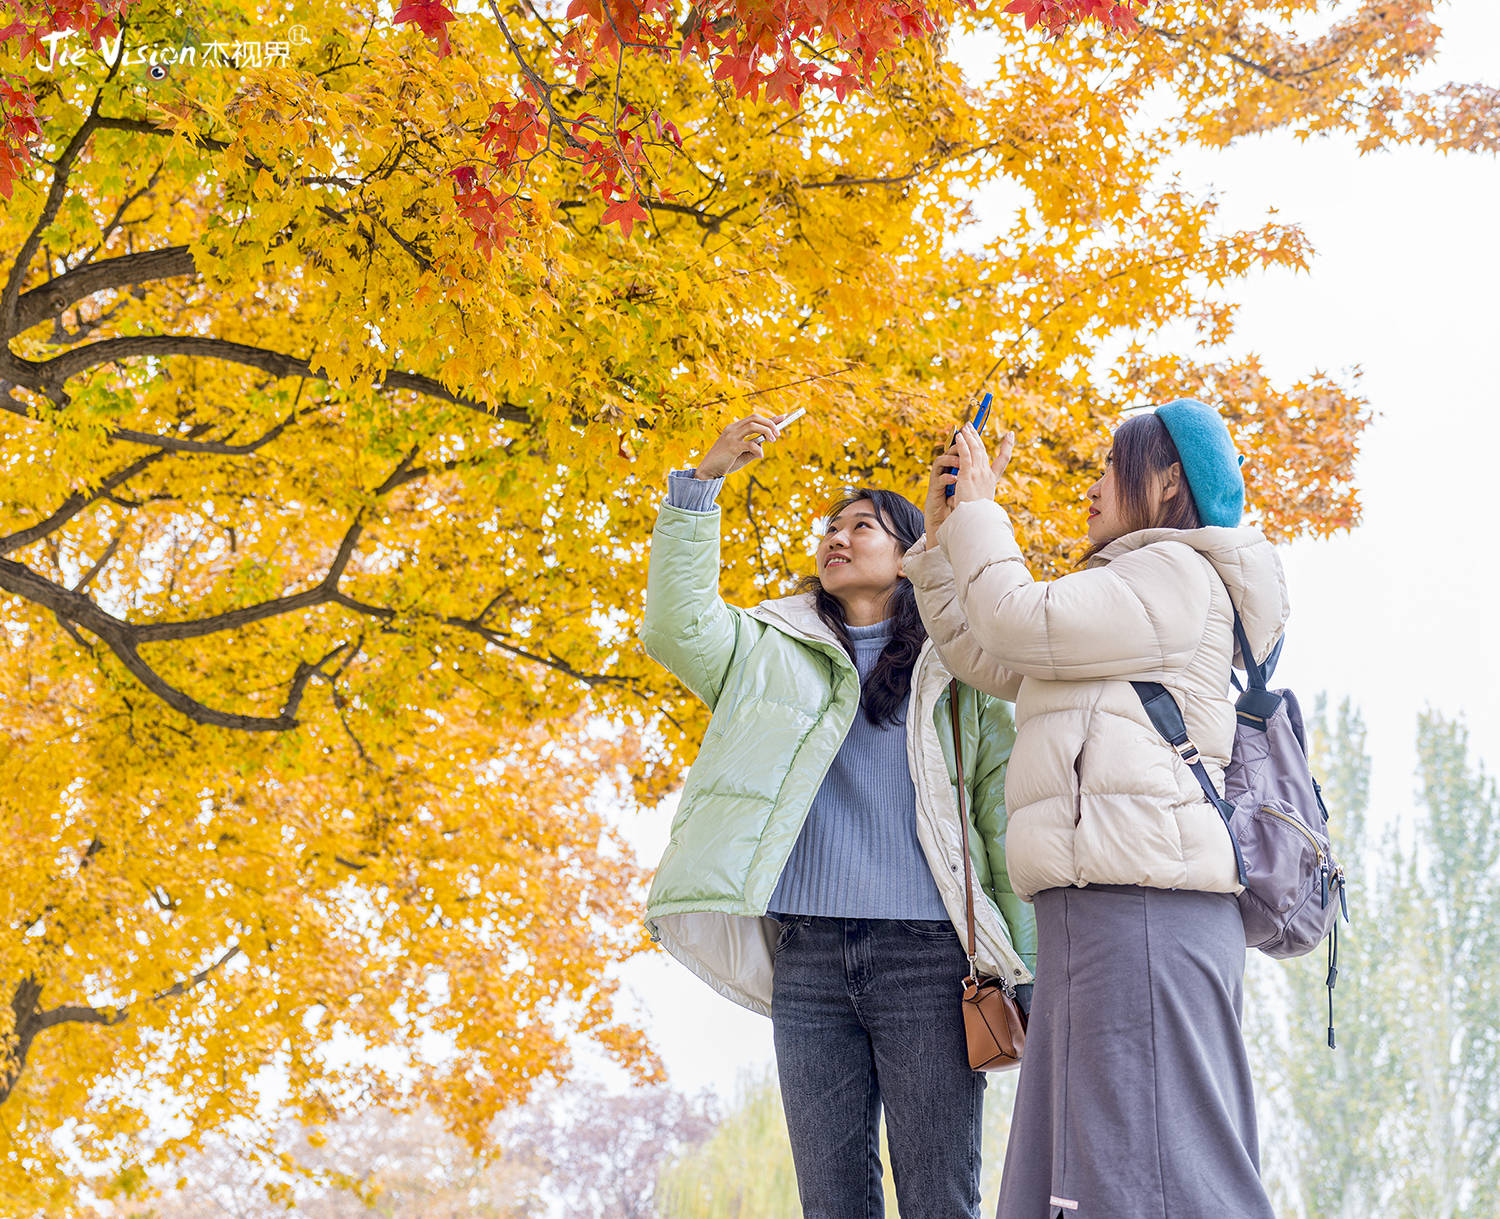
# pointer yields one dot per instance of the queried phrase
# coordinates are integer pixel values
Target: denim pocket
(790, 925)
(928, 929)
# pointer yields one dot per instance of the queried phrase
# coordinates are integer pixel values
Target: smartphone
(981, 417)
(792, 418)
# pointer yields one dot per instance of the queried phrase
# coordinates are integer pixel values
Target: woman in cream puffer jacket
(1095, 796)
(1135, 1098)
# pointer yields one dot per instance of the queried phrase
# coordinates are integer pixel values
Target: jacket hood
(1245, 561)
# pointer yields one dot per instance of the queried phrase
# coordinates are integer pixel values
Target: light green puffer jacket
(783, 695)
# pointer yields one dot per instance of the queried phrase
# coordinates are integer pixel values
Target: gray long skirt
(1135, 1099)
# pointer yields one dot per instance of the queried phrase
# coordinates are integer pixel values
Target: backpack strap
(1333, 971)
(1255, 705)
(1166, 717)
(1256, 673)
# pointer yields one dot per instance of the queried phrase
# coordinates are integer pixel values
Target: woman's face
(856, 556)
(1106, 522)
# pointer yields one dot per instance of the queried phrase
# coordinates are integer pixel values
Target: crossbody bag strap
(963, 824)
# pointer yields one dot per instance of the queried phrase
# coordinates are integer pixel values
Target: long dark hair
(1142, 449)
(884, 693)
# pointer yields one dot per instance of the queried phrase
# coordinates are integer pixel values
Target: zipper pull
(1343, 900)
(1323, 884)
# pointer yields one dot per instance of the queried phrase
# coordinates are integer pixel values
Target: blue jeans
(865, 1012)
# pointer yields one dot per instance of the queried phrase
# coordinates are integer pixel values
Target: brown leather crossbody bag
(993, 1021)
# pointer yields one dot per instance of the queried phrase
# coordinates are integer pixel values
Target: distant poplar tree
(1403, 1118)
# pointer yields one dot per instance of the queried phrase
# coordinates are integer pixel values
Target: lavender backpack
(1273, 809)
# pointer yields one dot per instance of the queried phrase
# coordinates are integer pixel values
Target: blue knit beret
(1209, 462)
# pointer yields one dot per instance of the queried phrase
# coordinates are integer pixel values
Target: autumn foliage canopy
(345, 352)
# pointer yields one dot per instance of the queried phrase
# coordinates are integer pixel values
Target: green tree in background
(1449, 1118)
(744, 1170)
(1403, 1119)
(1321, 1110)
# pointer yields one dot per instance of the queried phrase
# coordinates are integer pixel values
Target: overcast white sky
(1401, 614)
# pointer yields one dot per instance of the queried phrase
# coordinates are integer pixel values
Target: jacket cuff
(972, 517)
(686, 525)
(924, 565)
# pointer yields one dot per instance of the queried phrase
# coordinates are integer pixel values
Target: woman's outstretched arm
(687, 626)
(931, 576)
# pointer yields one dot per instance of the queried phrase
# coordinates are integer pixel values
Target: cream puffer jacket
(1095, 795)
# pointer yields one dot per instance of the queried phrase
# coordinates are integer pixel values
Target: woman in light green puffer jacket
(813, 871)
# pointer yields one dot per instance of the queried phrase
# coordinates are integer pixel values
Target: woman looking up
(812, 872)
(1135, 1096)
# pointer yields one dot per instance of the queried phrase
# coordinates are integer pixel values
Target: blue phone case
(981, 417)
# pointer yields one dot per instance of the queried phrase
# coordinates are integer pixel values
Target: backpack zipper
(1303, 830)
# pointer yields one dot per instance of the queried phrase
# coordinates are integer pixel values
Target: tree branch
(29, 1021)
(75, 504)
(10, 294)
(57, 294)
(181, 988)
(942, 157)
(475, 626)
(173, 444)
(119, 637)
(49, 376)
(144, 127)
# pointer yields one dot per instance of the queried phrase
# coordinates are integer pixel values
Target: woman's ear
(1171, 481)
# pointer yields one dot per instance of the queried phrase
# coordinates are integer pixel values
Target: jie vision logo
(65, 50)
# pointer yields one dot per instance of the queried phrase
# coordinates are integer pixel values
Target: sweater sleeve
(1139, 618)
(692, 494)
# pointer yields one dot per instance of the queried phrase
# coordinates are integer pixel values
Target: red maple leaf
(430, 16)
(738, 69)
(785, 81)
(18, 127)
(624, 212)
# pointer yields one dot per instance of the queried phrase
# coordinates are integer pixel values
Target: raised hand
(939, 506)
(967, 469)
(977, 478)
(738, 445)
